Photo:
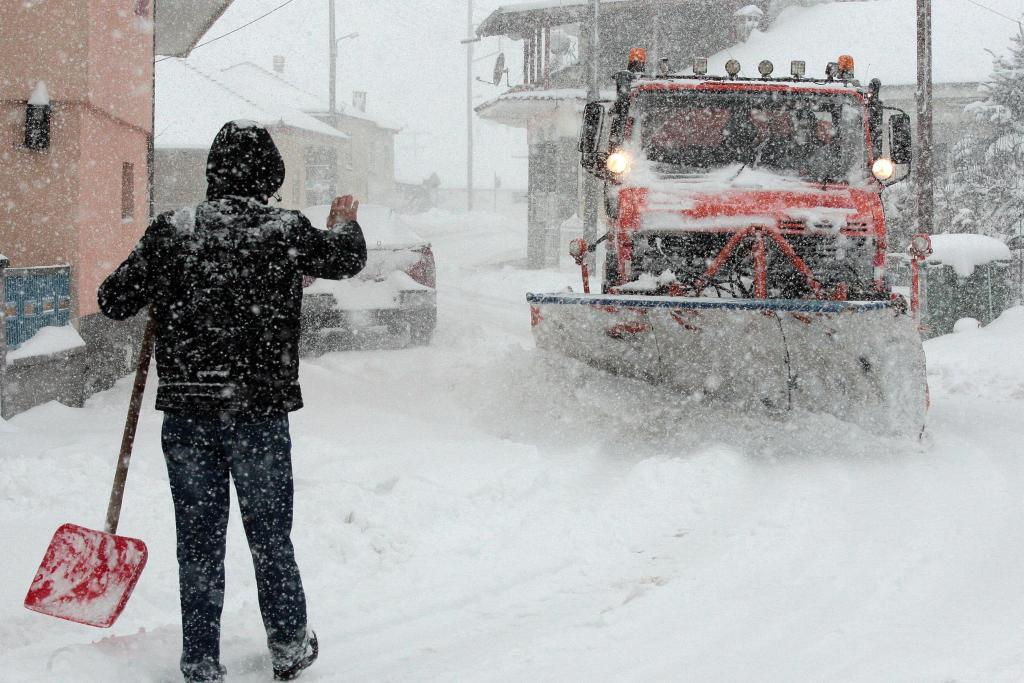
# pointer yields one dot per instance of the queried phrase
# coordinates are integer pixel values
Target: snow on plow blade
(860, 361)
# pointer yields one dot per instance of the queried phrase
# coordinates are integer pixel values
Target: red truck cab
(745, 187)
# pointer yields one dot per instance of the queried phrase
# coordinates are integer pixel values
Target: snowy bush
(899, 201)
(983, 191)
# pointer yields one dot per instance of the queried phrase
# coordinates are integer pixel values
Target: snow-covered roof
(248, 77)
(192, 104)
(299, 33)
(881, 37)
(543, 94)
(519, 107)
(540, 94)
(179, 24)
(515, 18)
(965, 252)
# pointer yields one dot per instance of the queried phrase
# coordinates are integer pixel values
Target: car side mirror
(590, 136)
(900, 142)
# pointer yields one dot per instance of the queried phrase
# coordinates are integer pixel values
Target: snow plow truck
(744, 262)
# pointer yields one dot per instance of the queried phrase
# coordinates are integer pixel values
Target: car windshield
(803, 135)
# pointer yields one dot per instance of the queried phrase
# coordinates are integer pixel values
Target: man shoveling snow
(224, 286)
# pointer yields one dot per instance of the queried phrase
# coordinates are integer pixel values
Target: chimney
(279, 64)
(745, 20)
(359, 100)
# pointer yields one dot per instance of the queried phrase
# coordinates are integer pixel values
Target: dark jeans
(203, 452)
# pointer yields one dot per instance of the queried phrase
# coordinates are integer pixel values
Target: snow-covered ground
(476, 510)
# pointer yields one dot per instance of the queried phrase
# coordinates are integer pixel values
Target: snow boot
(206, 672)
(288, 665)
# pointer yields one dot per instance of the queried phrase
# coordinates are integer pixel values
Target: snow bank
(966, 252)
(966, 325)
(48, 341)
(979, 362)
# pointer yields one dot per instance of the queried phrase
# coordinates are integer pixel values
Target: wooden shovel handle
(128, 438)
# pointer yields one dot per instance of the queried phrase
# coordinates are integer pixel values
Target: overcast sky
(407, 57)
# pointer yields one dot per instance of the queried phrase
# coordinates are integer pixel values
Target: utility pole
(334, 59)
(591, 185)
(925, 167)
(593, 64)
(469, 106)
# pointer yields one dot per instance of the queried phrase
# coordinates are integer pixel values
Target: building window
(127, 191)
(321, 175)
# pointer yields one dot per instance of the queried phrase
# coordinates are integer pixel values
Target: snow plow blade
(861, 361)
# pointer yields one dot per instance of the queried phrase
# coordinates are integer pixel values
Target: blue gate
(35, 298)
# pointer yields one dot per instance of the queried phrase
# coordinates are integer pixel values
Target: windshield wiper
(825, 178)
(753, 158)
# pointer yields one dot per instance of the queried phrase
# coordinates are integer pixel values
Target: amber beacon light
(637, 60)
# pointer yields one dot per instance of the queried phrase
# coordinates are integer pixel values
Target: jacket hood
(244, 162)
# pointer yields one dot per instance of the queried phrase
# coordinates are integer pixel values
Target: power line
(996, 12)
(236, 30)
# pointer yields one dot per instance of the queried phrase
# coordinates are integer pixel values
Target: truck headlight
(618, 163)
(883, 168)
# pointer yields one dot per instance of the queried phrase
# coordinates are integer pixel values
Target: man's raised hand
(343, 210)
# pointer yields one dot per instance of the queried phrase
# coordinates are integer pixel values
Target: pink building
(83, 200)
(79, 193)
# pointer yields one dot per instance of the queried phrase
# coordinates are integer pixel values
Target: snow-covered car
(391, 302)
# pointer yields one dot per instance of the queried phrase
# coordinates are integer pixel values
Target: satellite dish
(561, 43)
(499, 69)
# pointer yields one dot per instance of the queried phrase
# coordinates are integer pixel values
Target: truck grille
(833, 258)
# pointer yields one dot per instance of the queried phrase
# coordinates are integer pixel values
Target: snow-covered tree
(899, 202)
(998, 178)
(962, 190)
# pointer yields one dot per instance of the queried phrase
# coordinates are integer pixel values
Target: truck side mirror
(900, 144)
(590, 136)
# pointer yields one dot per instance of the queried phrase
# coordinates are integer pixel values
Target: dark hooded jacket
(224, 283)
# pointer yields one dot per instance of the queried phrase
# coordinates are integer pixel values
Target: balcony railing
(34, 298)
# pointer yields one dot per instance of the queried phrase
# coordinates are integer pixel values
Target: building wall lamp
(37, 119)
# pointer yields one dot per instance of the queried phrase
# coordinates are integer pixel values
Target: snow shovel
(86, 575)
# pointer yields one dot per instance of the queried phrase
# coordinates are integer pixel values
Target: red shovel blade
(87, 576)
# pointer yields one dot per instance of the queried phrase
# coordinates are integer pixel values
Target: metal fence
(946, 297)
(34, 298)
(982, 296)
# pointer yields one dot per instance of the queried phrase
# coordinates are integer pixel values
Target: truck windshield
(803, 135)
